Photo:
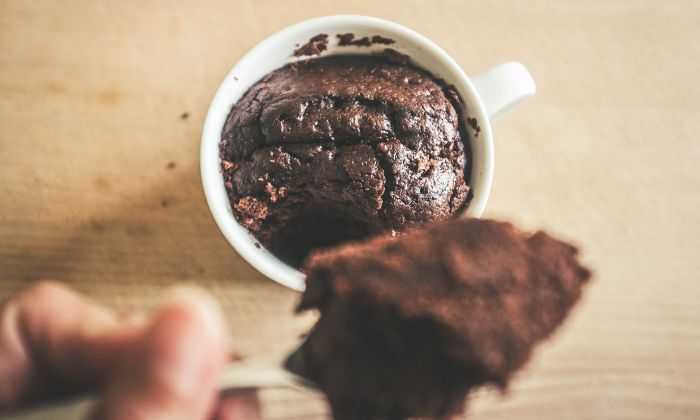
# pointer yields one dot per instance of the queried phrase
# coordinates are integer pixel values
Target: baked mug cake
(408, 143)
(344, 147)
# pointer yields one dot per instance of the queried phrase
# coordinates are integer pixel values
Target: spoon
(275, 370)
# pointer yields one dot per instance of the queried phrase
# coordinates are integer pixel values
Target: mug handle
(504, 87)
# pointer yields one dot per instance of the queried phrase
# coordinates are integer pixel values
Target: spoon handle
(74, 408)
(237, 377)
(261, 373)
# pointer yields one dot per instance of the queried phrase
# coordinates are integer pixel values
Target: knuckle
(44, 291)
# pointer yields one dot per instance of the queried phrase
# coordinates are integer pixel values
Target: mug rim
(210, 163)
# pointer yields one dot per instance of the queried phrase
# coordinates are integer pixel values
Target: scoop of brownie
(410, 324)
(337, 148)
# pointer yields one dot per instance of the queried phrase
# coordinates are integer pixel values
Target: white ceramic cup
(486, 96)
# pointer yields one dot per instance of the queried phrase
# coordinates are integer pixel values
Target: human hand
(55, 342)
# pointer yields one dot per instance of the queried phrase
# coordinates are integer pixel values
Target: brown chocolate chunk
(252, 211)
(409, 325)
(378, 39)
(315, 46)
(345, 40)
(348, 39)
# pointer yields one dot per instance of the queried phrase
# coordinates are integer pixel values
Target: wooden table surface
(101, 107)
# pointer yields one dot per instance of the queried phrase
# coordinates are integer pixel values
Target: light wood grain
(606, 154)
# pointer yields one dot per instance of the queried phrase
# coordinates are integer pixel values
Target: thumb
(172, 372)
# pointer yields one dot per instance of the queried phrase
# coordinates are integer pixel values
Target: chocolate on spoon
(409, 325)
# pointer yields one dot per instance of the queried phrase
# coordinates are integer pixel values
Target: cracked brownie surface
(339, 148)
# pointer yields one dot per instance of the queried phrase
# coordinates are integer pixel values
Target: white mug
(486, 96)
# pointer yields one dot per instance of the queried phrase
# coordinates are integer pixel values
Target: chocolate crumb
(362, 42)
(97, 225)
(378, 39)
(474, 125)
(345, 40)
(252, 207)
(451, 93)
(271, 191)
(257, 245)
(348, 39)
(315, 46)
(395, 56)
(228, 165)
(253, 211)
